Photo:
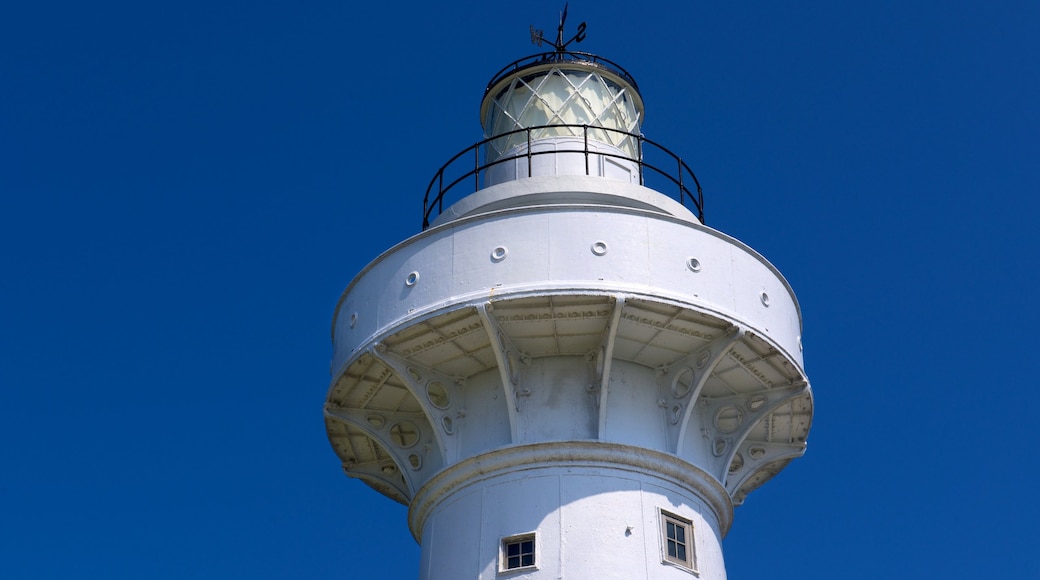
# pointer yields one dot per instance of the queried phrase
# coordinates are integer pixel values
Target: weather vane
(537, 37)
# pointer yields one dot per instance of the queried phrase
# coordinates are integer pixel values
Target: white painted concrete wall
(592, 521)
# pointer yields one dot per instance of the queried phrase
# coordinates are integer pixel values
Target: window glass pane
(518, 553)
(677, 537)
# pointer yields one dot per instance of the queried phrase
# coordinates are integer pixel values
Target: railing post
(585, 134)
(440, 191)
(639, 152)
(682, 189)
(476, 168)
(700, 202)
(528, 131)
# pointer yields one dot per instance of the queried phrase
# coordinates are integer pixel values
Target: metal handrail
(438, 186)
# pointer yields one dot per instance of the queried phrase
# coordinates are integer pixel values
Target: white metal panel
(484, 424)
(633, 414)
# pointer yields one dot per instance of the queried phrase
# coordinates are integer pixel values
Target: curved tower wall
(574, 361)
(596, 515)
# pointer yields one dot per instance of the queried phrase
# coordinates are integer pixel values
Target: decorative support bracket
(697, 367)
(378, 426)
(375, 470)
(601, 361)
(755, 455)
(435, 392)
(731, 419)
(510, 359)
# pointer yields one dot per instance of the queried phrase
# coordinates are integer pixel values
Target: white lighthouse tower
(566, 374)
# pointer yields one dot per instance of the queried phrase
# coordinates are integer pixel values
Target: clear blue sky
(187, 187)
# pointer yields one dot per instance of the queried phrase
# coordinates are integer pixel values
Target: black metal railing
(459, 171)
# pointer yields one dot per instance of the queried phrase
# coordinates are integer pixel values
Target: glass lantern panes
(555, 97)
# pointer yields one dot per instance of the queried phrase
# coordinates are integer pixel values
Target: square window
(677, 541)
(517, 552)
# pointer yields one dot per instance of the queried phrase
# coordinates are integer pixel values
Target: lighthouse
(565, 373)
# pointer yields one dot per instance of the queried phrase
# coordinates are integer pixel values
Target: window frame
(503, 553)
(686, 525)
